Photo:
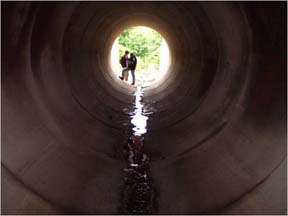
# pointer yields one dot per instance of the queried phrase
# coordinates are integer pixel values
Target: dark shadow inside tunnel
(217, 129)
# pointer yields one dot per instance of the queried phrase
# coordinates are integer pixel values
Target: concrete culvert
(217, 135)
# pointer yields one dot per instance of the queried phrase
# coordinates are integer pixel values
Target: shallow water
(137, 194)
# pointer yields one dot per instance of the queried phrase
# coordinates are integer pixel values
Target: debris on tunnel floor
(216, 140)
(137, 193)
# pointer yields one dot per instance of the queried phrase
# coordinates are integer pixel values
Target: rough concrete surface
(217, 135)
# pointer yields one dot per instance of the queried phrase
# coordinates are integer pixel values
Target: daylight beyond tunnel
(150, 49)
(216, 133)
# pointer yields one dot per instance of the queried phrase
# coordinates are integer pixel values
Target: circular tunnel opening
(151, 51)
(218, 121)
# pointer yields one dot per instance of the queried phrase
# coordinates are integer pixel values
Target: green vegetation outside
(144, 42)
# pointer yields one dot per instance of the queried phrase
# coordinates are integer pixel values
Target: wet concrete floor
(137, 193)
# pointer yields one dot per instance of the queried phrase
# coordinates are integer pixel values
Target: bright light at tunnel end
(153, 74)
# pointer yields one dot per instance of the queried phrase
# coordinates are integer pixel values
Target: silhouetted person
(124, 64)
(132, 63)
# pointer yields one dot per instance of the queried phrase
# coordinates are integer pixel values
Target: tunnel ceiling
(218, 128)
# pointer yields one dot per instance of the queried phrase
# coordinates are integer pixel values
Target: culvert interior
(217, 132)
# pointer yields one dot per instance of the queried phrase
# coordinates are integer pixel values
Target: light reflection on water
(138, 120)
(137, 193)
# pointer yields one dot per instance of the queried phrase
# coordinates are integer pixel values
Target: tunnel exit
(215, 126)
(151, 50)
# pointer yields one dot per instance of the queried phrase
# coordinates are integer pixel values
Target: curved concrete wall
(218, 128)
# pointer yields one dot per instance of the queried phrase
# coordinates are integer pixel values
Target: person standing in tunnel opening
(132, 62)
(124, 64)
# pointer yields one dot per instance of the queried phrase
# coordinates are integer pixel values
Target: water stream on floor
(137, 192)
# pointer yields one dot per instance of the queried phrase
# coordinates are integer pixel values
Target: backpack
(123, 61)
